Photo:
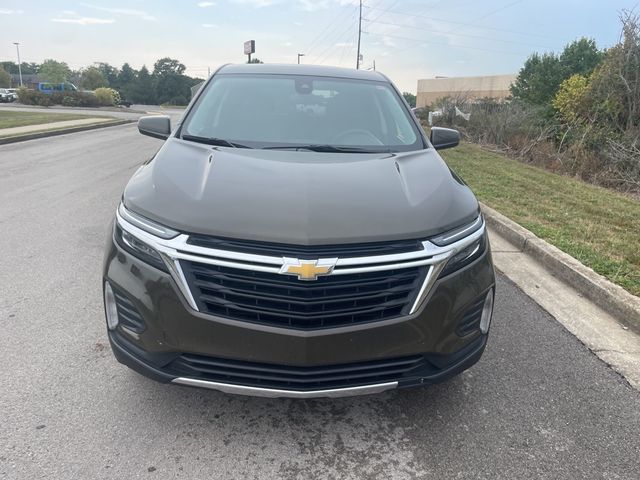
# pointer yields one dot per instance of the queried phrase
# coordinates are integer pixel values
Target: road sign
(249, 47)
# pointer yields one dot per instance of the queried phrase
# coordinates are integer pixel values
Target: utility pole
(300, 55)
(359, 35)
(19, 66)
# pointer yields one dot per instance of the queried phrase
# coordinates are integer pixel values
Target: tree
(142, 88)
(571, 101)
(581, 57)
(126, 75)
(615, 84)
(171, 85)
(12, 67)
(410, 98)
(168, 66)
(539, 79)
(92, 78)
(5, 78)
(126, 80)
(53, 71)
(109, 73)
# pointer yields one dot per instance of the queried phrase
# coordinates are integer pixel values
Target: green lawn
(599, 227)
(10, 119)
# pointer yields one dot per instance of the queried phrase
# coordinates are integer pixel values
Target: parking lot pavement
(538, 405)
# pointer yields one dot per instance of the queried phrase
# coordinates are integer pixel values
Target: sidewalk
(615, 344)
(13, 131)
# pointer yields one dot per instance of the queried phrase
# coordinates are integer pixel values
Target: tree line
(166, 83)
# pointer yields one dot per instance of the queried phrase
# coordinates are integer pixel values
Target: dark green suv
(298, 235)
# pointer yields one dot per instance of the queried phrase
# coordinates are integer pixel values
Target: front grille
(306, 251)
(470, 321)
(285, 301)
(267, 375)
(128, 315)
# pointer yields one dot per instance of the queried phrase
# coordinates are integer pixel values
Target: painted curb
(613, 298)
(63, 131)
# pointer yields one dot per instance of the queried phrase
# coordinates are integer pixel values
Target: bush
(33, 97)
(69, 99)
(571, 100)
(107, 96)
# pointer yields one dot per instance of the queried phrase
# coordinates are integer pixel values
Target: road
(538, 404)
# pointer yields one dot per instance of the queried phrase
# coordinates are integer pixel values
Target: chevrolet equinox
(297, 235)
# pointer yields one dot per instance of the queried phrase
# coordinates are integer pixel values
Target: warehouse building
(492, 86)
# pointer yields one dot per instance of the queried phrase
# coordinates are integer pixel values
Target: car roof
(293, 69)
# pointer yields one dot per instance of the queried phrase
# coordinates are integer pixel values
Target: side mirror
(442, 138)
(156, 126)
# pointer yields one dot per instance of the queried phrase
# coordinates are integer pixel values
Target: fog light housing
(110, 308)
(487, 312)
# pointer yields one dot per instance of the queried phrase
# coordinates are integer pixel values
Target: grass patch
(599, 227)
(21, 119)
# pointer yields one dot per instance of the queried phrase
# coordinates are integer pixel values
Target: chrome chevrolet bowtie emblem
(308, 269)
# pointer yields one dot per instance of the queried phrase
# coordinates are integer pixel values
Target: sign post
(249, 48)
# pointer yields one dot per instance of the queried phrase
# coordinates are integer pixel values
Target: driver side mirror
(156, 126)
(442, 138)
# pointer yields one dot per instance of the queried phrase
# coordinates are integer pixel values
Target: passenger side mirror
(442, 138)
(156, 126)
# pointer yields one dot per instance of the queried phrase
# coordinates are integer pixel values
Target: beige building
(494, 86)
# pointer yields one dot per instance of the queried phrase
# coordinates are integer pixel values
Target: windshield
(291, 111)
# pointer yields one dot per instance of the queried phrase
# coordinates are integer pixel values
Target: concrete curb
(612, 298)
(63, 131)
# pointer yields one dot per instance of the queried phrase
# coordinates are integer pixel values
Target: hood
(299, 197)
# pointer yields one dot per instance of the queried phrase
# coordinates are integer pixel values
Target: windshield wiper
(328, 148)
(221, 142)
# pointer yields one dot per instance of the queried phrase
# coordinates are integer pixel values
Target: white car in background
(8, 95)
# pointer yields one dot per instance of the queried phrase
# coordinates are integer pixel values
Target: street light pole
(300, 55)
(359, 35)
(19, 66)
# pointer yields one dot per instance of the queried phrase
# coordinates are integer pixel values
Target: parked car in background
(8, 95)
(48, 88)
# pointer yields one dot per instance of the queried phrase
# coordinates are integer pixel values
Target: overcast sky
(408, 39)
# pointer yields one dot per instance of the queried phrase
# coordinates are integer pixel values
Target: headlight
(465, 256)
(134, 245)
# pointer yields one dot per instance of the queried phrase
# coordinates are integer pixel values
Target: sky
(407, 39)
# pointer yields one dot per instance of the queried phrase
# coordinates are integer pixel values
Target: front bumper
(143, 363)
(231, 351)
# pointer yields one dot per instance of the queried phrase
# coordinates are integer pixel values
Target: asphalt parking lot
(538, 405)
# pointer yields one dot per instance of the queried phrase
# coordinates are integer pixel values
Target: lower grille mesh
(283, 300)
(470, 321)
(293, 378)
(128, 315)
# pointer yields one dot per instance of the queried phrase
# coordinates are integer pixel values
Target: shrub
(33, 97)
(571, 101)
(107, 96)
(69, 101)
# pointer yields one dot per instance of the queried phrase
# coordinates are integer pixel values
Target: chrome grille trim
(175, 249)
